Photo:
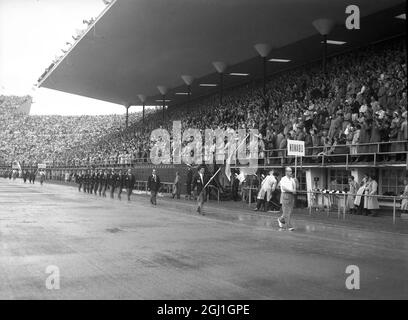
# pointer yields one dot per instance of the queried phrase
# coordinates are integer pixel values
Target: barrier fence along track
(330, 200)
(276, 156)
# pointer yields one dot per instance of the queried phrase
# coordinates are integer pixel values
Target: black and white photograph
(203, 154)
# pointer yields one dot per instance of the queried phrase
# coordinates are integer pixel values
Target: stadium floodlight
(239, 74)
(142, 98)
(188, 80)
(263, 50)
(162, 90)
(324, 26)
(279, 60)
(220, 66)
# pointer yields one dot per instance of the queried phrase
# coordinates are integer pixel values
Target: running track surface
(107, 249)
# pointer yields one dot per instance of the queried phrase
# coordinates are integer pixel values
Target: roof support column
(163, 91)
(324, 27)
(127, 106)
(142, 98)
(263, 50)
(188, 80)
(220, 67)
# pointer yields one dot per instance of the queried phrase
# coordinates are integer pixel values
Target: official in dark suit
(91, 182)
(129, 182)
(199, 182)
(96, 182)
(25, 176)
(32, 176)
(103, 181)
(153, 185)
(86, 181)
(119, 183)
(79, 179)
(112, 183)
(189, 180)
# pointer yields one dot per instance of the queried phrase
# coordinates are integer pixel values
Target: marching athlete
(200, 182)
(112, 183)
(153, 185)
(129, 182)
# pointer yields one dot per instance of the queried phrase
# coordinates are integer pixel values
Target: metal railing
(329, 200)
(375, 152)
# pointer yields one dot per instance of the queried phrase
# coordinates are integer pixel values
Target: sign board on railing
(42, 166)
(296, 148)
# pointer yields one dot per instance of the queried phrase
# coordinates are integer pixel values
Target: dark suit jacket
(112, 180)
(198, 183)
(153, 185)
(119, 180)
(189, 177)
(129, 181)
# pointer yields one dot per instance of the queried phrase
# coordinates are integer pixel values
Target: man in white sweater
(288, 191)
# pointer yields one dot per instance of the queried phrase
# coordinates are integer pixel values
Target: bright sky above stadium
(32, 34)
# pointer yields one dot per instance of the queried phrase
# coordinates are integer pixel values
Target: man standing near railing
(288, 192)
(153, 185)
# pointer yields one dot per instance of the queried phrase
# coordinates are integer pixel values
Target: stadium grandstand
(350, 112)
(294, 72)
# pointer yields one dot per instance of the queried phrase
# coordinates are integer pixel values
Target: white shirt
(288, 184)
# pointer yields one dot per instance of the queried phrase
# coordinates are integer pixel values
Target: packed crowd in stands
(50, 138)
(362, 99)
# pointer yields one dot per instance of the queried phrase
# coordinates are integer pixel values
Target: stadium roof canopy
(134, 46)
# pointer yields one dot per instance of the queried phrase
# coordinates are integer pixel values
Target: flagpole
(213, 176)
(228, 160)
(295, 166)
(211, 179)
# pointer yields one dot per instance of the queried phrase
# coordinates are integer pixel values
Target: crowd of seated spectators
(360, 101)
(32, 139)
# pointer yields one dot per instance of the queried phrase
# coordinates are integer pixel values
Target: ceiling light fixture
(335, 42)
(208, 85)
(279, 60)
(239, 74)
